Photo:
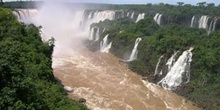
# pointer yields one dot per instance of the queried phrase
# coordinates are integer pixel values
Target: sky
(193, 2)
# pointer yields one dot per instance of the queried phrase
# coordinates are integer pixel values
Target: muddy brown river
(107, 84)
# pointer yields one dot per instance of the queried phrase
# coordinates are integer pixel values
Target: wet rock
(82, 100)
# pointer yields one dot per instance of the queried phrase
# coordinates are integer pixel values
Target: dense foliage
(26, 76)
(157, 40)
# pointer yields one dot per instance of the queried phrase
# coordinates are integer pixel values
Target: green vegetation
(26, 76)
(203, 89)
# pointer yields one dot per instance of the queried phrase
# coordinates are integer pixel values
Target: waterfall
(128, 14)
(132, 15)
(134, 53)
(157, 18)
(192, 21)
(203, 22)
(95, 17)
(157, 66)
(25, 16)
(91, 34)
(140, 17)
(120, 14)
(104, 46)
(171, 61)
(97, 34)
(123, 14)
(210, 27)
(83, 18)
(214, 24)
(179, 73)
(90, 15)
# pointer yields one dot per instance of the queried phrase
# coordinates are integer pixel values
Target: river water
(107, 84)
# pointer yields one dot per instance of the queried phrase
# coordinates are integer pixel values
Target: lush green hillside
(157, 40)
(26, 76)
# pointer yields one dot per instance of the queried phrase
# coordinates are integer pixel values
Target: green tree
(201, 4)
(180, 3)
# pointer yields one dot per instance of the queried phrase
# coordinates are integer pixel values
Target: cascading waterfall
(128, 14)
(123, 15)
(132, 15)
(192, 21)
(24, 15)
(97, 35)
(134, 53)
(104, 46)
(140, 17)
(91, 34)
(171, 61)
(212, 25)
(157, 18)
(95, 17)
(90, 15)
(203, 22)
(179, 73)
(119, 14)
(157, 67)
(102, 15)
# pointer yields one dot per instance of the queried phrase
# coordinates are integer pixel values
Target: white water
(132, 15)
(91, 33)
(104, 45)
(97, 16)
(134, 53)
(157, 67)
(128, 14)
(171, 61)
(140, 17)
(25, 15)
(212, 25)
(203, 22)
(97, 34)
(157, 18)
(192, 21)
(179, 73)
